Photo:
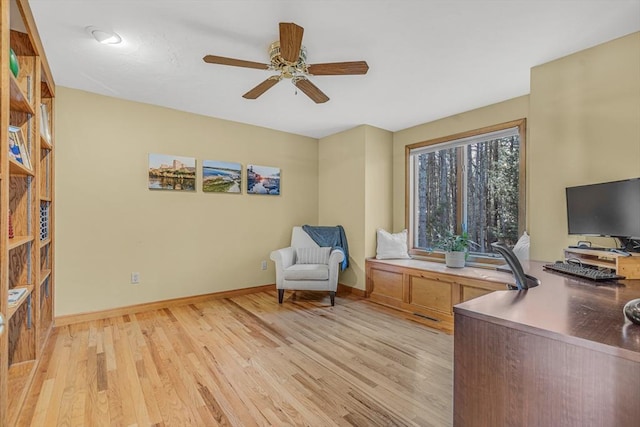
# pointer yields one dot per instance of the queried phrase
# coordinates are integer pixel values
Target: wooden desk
(560, 354)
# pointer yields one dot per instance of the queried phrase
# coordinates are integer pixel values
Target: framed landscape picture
(263, 180)
(221, 177)
(167, 172)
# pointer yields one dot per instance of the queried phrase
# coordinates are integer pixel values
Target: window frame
(436, 255)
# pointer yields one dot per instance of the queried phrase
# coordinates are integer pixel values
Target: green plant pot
(13, 63)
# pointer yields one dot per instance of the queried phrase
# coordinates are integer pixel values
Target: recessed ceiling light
(104, 36)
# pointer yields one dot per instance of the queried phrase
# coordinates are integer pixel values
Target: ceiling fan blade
(311, 91)
(212, 59)
(290, 41)
(262, 88)
(338, 68)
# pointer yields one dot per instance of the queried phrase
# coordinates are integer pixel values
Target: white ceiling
(428, 59)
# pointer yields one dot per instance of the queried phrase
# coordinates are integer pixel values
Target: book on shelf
(15, 295)
(11, 234)
(44, 123)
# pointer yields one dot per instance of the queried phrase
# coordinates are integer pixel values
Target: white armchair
(293, 275)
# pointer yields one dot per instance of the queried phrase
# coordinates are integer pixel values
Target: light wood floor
(246, 361)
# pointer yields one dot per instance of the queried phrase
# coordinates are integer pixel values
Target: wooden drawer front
(386, 283)
(469, 292)
(629, 267)
(431, 294)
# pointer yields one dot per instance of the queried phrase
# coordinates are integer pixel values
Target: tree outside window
(474, 183)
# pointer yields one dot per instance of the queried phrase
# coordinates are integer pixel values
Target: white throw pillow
(521, 249)
(392, 246)
(313, 255)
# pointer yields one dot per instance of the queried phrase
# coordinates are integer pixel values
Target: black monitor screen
(607, 209)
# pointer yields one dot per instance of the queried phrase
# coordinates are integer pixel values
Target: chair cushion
(312, 255)
(307, 272)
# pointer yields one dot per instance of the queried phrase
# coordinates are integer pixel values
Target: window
(470, 182)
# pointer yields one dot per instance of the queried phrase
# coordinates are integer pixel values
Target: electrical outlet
(263, 265)
(135, 278)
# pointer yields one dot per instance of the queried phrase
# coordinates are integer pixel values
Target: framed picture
(221, 177)
(167, 172)
(18, 150)
(263, 180)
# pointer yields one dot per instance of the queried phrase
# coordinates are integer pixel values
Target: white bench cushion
(306, 272)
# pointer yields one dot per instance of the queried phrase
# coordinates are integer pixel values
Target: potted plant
(455, 247)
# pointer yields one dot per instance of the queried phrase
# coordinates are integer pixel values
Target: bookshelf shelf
(45, 144)
(18, 169)
(18, 241)
(18, 101)
(44, 275)
(14, 308)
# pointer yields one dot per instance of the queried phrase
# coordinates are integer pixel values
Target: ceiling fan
(289, 60)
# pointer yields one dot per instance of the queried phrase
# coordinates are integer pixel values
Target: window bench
(428, 289)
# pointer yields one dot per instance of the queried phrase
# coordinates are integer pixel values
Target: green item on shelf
(13, 63)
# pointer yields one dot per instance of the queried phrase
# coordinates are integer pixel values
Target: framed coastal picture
(221, 177)
(168, 172)
(263, 180)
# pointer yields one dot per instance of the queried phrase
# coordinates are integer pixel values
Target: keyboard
(583, 272)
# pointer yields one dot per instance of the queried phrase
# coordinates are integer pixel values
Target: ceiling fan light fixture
(288, 58)
(104, 36)
(277, 60)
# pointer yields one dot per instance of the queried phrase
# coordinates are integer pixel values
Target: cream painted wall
(502, 112)
(585, 128)
(108, 224)
(341, 166)
(378, 209)
(355, 191)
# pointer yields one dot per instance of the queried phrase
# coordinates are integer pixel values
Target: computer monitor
(606, 209)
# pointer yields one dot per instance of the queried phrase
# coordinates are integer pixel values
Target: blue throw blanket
(332, 237)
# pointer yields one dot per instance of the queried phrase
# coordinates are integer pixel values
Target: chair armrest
(285, 257)
(335, 259)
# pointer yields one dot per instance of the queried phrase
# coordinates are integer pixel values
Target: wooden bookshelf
(27, 194)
